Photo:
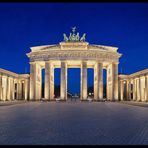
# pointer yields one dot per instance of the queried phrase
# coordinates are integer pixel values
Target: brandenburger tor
(73, 52)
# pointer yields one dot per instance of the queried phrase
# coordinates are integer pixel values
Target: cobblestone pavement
(67, 123)
(142, 104)
(6, 103)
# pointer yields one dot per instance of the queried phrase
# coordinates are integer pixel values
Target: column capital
(32, 63)
(63, 60)
(5, 76)
(48, 61)
(98, 61)
(115, 63)
(83, 61)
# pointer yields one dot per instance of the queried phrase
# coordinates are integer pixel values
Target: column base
(52, 100)
(96, 100)
(112, 100)
(63, 100)
(84, 100)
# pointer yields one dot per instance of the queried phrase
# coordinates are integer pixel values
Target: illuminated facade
(13, 86)
(73, 52)
(134, 87)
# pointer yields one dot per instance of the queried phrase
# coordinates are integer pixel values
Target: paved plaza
(73, 123)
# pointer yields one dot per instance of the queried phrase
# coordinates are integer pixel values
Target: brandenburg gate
(73, 52)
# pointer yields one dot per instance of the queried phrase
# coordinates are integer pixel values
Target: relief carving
(75, 54)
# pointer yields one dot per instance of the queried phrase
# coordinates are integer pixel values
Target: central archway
(73, 83)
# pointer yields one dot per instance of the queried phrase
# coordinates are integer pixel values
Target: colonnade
(13, 88)
(36, 80)
(135, 88)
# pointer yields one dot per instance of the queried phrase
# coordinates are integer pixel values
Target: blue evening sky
(123, 25)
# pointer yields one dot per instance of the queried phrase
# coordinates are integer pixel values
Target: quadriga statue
(83, 37)
(65, 37)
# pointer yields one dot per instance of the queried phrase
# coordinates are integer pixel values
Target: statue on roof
(77, 36)
(65, 37)
(73, 29)
(74, 37)
(83, 37)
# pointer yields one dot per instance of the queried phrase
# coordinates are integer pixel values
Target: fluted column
(17, 90)
(4, 88)
(32, 80)
(11, 89)
(112, 82)
(0, 87)
(8, 88)
(121, 89)
(115, 81)
(26, 89)
(84, 80)
(129, 90)
(63, 87)
(109, 83)
(35, 81)
(138, 90)
(20, 89)
(49, 81)
(95, 83)
(146, 88)
(134, 89)
(98, 81)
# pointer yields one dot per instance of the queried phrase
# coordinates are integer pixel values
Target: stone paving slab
(69, 123)
(135, 103)
(6, 103)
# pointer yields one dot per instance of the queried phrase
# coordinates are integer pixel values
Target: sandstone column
(0, 87)
(138, 90)
(134, 89)
(112, 82)
(140, 95)
(32, 80)
(8, 88)
(100, 73)
(20, 89)
(11, 88)
(4, 87)
(26, 89)
(49, 81)
(63, 87)
(98, 81)
(84, 80)
(146, 88)
(129, 90)
(35, 81)
(121, 89)
(115, 84)
(109, 83)
(17, 91)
